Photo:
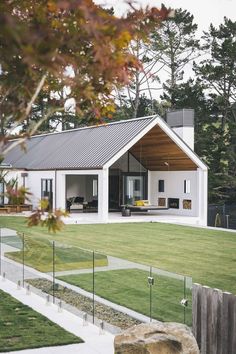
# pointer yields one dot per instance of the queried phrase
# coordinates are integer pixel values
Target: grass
(23, 328)
(39, 255)
(206, 255)
(130, 289)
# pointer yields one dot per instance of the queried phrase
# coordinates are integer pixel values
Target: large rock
(156, 338)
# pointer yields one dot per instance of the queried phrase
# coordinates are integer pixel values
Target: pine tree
(218, 76)
(177, 42)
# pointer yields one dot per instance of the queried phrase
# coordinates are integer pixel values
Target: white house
(102, 167)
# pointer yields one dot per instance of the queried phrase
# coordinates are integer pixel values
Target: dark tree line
(210, 90)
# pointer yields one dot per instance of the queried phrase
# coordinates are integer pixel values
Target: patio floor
(115, 217)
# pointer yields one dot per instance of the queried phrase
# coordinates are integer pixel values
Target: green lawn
(130, 289)
(207, 255)
(23, 328)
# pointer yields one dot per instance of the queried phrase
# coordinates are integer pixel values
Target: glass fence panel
(188, 297)
(37, 263)
(171, 297)
(122, 283)
(71, 265)
(11, 255)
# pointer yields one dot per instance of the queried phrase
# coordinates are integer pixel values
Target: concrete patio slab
(116, 217)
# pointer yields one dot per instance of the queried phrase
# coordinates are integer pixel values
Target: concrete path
(115, 263)
(95, 343)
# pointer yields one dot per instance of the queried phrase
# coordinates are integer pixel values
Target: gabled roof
(83, 148)
(93, 147)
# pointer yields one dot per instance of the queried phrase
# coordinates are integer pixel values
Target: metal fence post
(150, 283)
(23, 260)
(53, 271)
(184, 298)
(0, 251)
(93, 287)
(227, 221)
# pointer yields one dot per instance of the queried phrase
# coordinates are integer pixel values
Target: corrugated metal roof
(84, 148)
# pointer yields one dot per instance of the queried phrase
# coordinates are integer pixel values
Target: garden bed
(83, 303)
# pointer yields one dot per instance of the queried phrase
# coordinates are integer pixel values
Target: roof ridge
(94, 126)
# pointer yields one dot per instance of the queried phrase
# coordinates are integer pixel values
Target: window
(137, 185)
(186, 186)
(134, 189)
(46, 192)
(95, 187)
(161, 185)
(1, 193)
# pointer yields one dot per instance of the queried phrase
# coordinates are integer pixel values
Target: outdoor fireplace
(173, 203)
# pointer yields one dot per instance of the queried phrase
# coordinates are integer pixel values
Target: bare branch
(34, 97)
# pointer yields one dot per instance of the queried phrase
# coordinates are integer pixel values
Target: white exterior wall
(33, 182)
(174, 188)
(186, 134)
(15, 174)
(203, 195)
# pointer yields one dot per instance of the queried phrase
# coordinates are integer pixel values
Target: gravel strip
(85, 304)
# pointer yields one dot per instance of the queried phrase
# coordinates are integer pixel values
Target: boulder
(156, 338)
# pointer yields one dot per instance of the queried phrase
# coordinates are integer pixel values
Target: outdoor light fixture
(150, 280)
(166, 163)
(184, 302)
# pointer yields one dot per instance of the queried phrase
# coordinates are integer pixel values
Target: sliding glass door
(134, 188)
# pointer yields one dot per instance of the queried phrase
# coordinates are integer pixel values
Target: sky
(204, 11)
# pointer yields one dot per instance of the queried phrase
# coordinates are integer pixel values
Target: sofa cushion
(141, 203)
(78, 200)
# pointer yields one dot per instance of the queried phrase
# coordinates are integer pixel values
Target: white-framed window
(1, 193)
(161, 185)
(95, 187)
(186, 186)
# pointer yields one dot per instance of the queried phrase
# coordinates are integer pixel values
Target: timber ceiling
(157, 152)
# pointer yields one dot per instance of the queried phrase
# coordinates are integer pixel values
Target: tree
(52, 44)
(177, 43)
(164, 55)
(191, 95)
(144, 79)
(218, 76)
(146, 107)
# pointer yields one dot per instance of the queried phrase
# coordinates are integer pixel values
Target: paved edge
(94, 341)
